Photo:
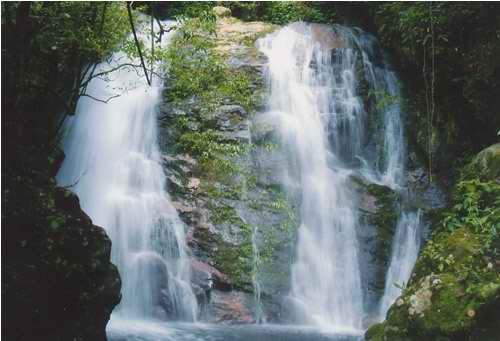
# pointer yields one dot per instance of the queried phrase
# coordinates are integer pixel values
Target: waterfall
(259, 314)
(326, 287)
(114, 165)
(406, 244)
(317, 75)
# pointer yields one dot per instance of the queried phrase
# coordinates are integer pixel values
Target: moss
(449, 313)
(486, 165)
(456, 278)
(385, 221)
(228, 215)
(232, 260)
(375, 332)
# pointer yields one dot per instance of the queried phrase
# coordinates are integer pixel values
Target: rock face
(57, 274)
(229, 307)
(378, 214)
(231, 201)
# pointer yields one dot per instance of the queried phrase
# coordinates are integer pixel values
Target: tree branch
(100, 100)
(131, 20)
(102, 73)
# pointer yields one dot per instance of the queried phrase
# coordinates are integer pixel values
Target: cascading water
(406, 244)
(255, 277)
(326, 287)
(113, 163)
(315, 74)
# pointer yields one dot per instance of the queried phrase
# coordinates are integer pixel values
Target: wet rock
(209, 276)
(212, 205)
(169, 112)
(231, 121)
(269, 166)
(229, 307)
(181, 208)
(174, 183)
(242, 135)
(378, 215)
(325, 37)
(179, 160)
(368, 203)
(264, 128)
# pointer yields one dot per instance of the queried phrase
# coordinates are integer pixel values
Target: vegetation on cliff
(212, 96)
(454, 292)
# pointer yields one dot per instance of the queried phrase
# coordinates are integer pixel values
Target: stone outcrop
(57, 274)
(486, 164)
(222, 199)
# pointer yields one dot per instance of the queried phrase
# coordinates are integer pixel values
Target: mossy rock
(232, 260)
(379, 209)
(462, 245)
(486, 165)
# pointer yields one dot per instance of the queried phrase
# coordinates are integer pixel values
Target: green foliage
(189, 9)
(64, 38)
(384, 99)
(457, 268)
(282, 12)
(48, 48)
(409, 24)
(477, 207)
(469, 229)
(233, 260)
(80, 28)
(215, 155)
(456, 44)
(197, 69)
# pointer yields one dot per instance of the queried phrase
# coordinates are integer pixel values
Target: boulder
(209, 276)
(221, 11)
(229, 307)
(486, 164)
(58, 278)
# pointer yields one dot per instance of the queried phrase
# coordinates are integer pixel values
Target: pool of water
(128, 330)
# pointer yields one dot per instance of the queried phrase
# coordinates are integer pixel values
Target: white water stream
(114, 165)
(405, 247)
(314, 75)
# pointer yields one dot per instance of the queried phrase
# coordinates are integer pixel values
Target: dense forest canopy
(448, 49)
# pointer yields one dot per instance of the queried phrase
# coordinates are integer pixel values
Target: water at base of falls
(120, 330)
(113, 164)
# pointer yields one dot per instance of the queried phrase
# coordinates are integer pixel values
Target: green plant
(282, 12)
(215, 155)
(476, 207)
